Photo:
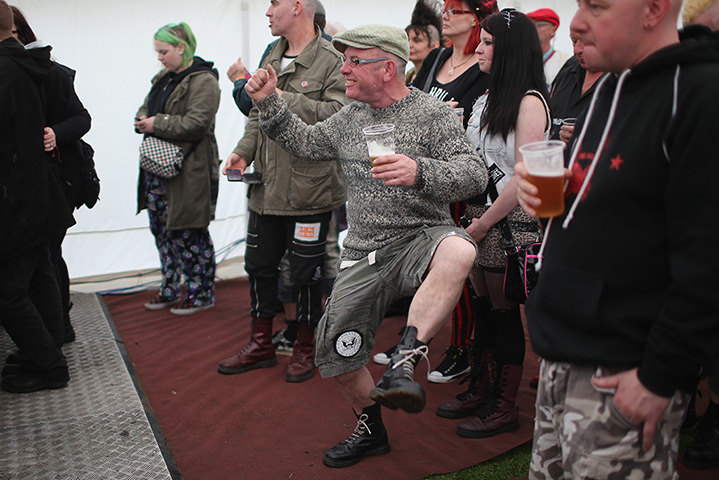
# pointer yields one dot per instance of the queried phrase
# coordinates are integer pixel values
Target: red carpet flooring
(257, 426)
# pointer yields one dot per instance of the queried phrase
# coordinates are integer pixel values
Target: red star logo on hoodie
(579, 173)
(616, 162)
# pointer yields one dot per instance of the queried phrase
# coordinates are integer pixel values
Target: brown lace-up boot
(499, 413)
(258, 353)
(480, 385)
(302, 366)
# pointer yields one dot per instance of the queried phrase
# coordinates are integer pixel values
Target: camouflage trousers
(580, 434)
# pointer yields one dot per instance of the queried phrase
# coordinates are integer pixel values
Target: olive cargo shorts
(364, 290)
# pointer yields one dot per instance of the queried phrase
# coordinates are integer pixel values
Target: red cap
(545, 15)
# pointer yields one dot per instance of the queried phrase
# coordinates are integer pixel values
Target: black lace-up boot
(703, 453)
(368, 439)
(397, 388)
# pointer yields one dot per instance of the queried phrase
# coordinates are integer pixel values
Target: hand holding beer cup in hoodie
(544, 162)
(380, 140)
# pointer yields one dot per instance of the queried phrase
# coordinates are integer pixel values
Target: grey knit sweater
(426, 130)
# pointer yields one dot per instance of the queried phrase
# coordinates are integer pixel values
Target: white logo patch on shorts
(307, 232)
(348, 343)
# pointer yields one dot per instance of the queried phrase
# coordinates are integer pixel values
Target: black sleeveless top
(464, 89)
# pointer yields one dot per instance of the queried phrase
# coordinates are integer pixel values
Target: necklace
(451, 70)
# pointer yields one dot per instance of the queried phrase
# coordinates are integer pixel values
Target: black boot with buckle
(397, 388)
(368, 439)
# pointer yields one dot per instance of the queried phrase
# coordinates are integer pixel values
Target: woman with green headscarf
(181, 109)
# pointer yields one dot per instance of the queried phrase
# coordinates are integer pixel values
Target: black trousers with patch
(304, 238)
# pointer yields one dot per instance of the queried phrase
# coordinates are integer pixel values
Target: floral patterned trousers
(185, 252)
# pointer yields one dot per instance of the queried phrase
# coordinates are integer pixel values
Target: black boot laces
(473, 379)
(253, 329)
(489, 407)
(245, 348)
(411, 358)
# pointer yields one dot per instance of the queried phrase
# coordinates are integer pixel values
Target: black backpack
(88, 174)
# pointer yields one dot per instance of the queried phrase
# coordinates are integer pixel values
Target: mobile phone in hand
(234, 175)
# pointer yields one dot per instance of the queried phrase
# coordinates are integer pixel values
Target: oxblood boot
(258, 353)
(499, 413)
(302, 366)
(480, 385)
(397, 388)
(369, 438)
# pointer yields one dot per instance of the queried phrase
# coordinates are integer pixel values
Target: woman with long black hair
(512, 113)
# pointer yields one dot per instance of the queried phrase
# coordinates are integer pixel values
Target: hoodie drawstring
(675, 101)
(600, 147)
(597, 154)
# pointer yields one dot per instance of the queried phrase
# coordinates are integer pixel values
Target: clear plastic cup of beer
(380, 140)
(544, 161)
(459, 111)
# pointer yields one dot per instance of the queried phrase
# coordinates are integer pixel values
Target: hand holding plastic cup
(459, 111)
(567, 129)
(380, 140)
(544, 161)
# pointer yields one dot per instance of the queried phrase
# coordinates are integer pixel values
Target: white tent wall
(109, 44)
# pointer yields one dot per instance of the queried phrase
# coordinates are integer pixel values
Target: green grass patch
(512, 464)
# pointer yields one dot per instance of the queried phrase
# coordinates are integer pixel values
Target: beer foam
(378, 149)
(546, 174)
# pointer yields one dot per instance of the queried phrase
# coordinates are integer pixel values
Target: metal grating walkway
(95, 428)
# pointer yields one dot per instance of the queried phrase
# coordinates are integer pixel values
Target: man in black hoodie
(625, 312)
(32, 210)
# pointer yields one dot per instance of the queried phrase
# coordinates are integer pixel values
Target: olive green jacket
(314, 89)
(189, 118)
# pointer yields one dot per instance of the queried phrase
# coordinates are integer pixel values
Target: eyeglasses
(451, 12)
(356, 62)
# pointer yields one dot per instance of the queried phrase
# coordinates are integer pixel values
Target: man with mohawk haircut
(425, 34)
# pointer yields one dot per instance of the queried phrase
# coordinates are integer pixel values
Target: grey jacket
(313, 87)
(426, 130)
(189, 118)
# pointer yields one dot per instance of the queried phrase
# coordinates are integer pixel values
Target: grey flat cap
(389, 39)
